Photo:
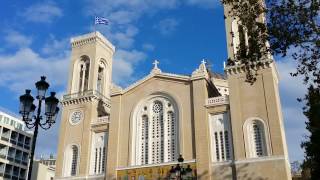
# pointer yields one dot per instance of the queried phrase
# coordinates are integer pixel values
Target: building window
(98, 154)
(256, 144)
(100, 80)
(239, 38)
(220, 137)
(74, 162)
(84, 69)
(156, 138)
(144, 139)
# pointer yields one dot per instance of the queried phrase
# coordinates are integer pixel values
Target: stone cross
(155, 63)
(203, 62)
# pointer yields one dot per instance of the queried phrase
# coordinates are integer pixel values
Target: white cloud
(148, 47)
(14, 38)
(23, 68)
(167, 26)
(55, 46)
(44, 12)
(125, 39)
(123, 66)
(122, 30)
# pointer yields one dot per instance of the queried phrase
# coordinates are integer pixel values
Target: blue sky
(179, 33)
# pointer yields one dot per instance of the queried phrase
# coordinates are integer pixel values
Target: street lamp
(179, 172)
(27, 109)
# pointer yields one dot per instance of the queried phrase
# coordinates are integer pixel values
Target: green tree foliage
(312, 143)
(291, 28)
(291, 25)
(295, 24)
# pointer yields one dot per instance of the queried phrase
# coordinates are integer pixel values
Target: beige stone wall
(258, 100)
(115, 133)
(267, 169)
(96, 48)
(79, 134)
(202, 140)
(122, 112)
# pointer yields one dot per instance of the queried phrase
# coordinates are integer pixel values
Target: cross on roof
(203, 61)
(155, 63)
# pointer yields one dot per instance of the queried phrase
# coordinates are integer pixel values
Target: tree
(292, 27)
(312, 143)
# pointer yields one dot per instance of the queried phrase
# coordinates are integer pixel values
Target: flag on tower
(101, 20)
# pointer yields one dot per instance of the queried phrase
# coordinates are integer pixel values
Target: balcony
(84, 97)
(5, 137)
(216, 101)
(101, 123)
(101, 120)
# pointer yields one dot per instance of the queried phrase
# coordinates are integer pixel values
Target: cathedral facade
(223, 126)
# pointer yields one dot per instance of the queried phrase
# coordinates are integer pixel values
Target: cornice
(91, 38)
(156, 74)
(88, 96)
(241, 68)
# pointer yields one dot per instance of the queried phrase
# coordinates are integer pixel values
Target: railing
(5, 137)
(102, 120)
(215, 101)
(87, 93)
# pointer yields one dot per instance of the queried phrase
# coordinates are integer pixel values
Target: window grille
(156, 123)
(74, 162)
(220, 137)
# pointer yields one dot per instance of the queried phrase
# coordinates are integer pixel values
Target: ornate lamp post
(27, 109)
(179, 172)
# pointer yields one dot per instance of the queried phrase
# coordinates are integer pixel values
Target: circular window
(157, 107)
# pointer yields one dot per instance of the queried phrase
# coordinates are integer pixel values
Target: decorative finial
(155, 63)
(155, 69)
(203, 62)
(201, 71)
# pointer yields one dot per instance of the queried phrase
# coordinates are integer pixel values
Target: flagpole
(94, 25)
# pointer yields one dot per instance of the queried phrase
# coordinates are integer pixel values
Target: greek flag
(101, 20)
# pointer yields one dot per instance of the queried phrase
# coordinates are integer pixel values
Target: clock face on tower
(75, 117)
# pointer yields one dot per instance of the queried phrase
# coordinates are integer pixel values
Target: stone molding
(118, 90)
(84, 97)
(241, 68)
(91, 38)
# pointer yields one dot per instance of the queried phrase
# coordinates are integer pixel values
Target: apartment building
(15, 146)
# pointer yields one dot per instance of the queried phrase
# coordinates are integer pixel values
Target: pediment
(173, 77)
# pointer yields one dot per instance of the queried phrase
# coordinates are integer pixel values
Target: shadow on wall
(241, 173)
(101, 110)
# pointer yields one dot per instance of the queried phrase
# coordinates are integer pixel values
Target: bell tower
(86, 109)
(260, 149)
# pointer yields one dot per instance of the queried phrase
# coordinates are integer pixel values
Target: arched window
(239, 38)
(98, 153)
(74, 162)
(144, 139)
(256, 141)
(101, 79)
(84, 69)
(71, 161)
(171, 128)
(221, 145)
(156, 132)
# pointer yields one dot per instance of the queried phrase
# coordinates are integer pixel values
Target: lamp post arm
(34, 139)
(30, 125)
(45, 126)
